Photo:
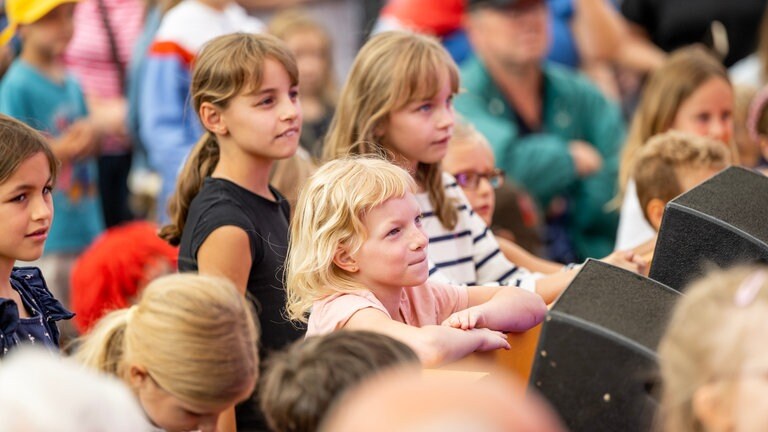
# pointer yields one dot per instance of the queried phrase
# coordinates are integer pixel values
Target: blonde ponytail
(102, 350)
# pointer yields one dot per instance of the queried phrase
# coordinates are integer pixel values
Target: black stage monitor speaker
(721, 222)
(596, 360)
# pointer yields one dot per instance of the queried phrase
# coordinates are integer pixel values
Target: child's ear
(380, 129)
(345, 261)
(655, 212)
(137, 376)
(711, 408)
(210, 116)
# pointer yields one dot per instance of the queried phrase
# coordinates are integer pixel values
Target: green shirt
(573, 109)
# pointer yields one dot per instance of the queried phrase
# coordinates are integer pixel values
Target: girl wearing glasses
(398, 101)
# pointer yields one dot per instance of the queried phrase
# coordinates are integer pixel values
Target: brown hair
(709, 336)
(291, 21)
(676, 80)
(225, 66)
(661, 160)
(392, 70)
(301, 382)
(19, 142)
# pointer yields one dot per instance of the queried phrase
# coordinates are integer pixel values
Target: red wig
(112, 271)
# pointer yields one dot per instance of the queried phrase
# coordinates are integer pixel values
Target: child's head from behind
(357, 226)
(245, 91)
(673, 163)
(691, 93)
(44, 26)
(712, 362)
(301, 383)
(470, 160)
(28, 171)
(187, 350)
(311, 45)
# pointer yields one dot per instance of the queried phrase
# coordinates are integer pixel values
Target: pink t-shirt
(427, 304)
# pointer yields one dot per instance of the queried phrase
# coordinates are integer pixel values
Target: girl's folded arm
(504, 308)
(435, 345)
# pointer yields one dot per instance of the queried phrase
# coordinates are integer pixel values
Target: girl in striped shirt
(398, 101)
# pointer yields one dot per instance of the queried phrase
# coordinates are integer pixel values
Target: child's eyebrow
(25, 186)
(259, 92)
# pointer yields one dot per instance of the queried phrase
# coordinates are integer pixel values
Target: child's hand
(586, 159)
(627, 260)
(465, 319)
(491, 339)
(78, 142)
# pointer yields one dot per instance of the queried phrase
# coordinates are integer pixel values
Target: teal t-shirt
(51, 107)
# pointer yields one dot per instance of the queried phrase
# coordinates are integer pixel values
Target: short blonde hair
(330, 215)
(195, 334)
(707, 338)
(392, 70)
(660, 162)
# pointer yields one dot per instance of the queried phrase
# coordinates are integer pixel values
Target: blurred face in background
(511, 37)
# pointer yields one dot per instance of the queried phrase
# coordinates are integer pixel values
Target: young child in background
(226, 218)
(113, 271)
(471, 162)
(358, 260)
(168, 128)
(398, 101)
(38, 91)
(690, 93)
(757, 126)
(750, 154)
(712, 362)
(28, 170)
(302, 382)
(187, 350)
(673, 163)
(310, 43)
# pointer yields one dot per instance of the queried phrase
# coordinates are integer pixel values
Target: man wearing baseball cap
(552, 131)
(37, 90)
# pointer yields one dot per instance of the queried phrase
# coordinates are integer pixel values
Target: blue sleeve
(14, 103)
(164, 115)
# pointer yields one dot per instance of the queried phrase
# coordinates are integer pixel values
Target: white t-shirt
(634, 229)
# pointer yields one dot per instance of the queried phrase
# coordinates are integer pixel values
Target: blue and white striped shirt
(468, 254)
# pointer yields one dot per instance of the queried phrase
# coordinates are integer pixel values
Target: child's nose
(290, 110)
(447, 117)
(718, 130)
(419, 240)
(42, 209)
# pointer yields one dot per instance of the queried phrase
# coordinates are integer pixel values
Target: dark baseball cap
(500, 4)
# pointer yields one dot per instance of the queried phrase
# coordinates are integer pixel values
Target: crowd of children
(310, 239)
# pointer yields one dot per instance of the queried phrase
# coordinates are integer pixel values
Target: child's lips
(289, 132)
(419, 261)
(38, 234)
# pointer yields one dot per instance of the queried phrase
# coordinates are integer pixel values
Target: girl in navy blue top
(28, 311)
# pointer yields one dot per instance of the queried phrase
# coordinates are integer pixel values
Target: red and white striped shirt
(89, 56)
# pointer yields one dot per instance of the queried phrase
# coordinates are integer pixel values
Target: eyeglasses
(471, 180)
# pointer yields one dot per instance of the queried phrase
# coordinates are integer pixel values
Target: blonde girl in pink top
(358, 260)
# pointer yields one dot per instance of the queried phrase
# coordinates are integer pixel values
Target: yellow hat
(26, 12)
